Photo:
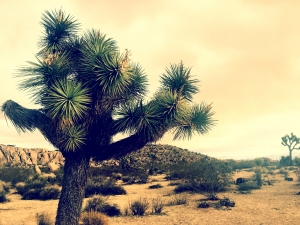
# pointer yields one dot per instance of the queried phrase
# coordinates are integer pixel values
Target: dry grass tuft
(93, 218)
(44, 219)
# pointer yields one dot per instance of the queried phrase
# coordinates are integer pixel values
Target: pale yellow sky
(246, 54)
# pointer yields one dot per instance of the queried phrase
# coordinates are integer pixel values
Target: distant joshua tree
(291, 142)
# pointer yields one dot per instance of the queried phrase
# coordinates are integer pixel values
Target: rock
(53, 167)
(37, 169)
(21, 156)
(288, 178)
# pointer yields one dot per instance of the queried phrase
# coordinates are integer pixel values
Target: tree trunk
(73, 188)
(291, 161)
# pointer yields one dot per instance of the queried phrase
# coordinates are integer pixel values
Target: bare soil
(272, 204)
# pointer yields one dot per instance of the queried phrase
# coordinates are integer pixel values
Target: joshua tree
(87, 92)
(291, 142)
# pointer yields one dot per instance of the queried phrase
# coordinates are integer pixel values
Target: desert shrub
(155, 186)
(15, 174)
(205, 175)
(48, 193)
(139, 207)
(104, 170)
(93, 218)
(284, 161)
(203, 204)
(107, 187)
(126, 179)
(5, 186)
(283, 172)
(3, 197)
(29, 192)
(99, 204)
(116, 176)
(178, 199)
(23, 188)
(258, 178)
(43, 219)
(248, 186)
(174, 183)
(157, 205)
(240, 164)
(59, 174)
(186, 187)
(135, 176)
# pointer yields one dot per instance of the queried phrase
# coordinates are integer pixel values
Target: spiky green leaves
(197, 120)
(66, 101)
(107, 72)
(41, 75)
(177, 79)
(73, 138)
(24, 119)
(58, 28)
(137, 117)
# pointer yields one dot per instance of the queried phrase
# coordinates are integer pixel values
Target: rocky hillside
(158, 154)
(23, 156)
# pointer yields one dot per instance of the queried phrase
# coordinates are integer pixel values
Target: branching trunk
(291, 160)
(73, 189)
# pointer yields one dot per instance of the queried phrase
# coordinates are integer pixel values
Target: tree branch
(25, 120)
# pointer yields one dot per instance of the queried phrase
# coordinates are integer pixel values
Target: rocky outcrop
(23, 156)
(150, 154)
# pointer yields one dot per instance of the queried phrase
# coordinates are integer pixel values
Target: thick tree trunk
(73, 189)
(291, 160)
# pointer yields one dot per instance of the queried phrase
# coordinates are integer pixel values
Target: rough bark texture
(73, 189)
(291, 160)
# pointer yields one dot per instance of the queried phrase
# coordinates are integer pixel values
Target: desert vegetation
(183, 188)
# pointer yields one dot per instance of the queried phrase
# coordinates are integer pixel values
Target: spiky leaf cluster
(89, 90)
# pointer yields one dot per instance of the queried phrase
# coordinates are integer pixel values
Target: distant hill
(158, 154)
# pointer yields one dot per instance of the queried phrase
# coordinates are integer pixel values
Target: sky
(246, 54)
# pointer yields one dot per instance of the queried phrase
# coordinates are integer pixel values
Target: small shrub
(139, 207)
(203, 204)
(5, 186)
(157, 205)
(258, 178)
(126, 211)
(185, 188)
(3, 197)
(48, 193)
(105, 188)
(15, 174)
(31, 194)
(126, 179)
(116, 176)
(43, 219)
(155, 186)
(174, 183)
(136, 176)
(99, 204)
(180, 199)
(93, 218)
(248, 186)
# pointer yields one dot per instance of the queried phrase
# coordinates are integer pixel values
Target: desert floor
(276, 204)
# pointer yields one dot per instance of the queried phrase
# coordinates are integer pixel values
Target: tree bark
(291, 161)
(73, 188)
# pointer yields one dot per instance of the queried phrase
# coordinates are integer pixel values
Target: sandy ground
(277, 204)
